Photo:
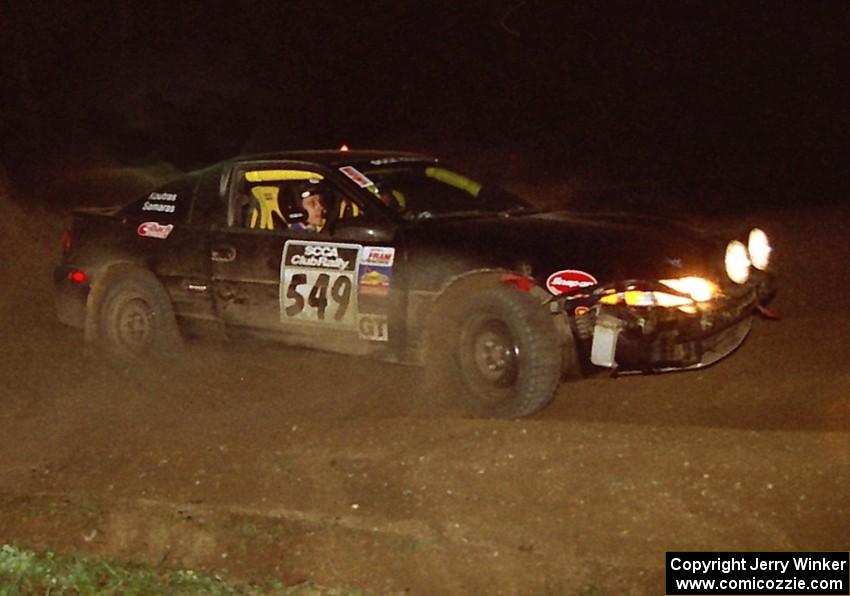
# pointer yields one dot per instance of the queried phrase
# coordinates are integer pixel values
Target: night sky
(748, 94)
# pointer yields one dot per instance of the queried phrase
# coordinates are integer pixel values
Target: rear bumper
(71, 297)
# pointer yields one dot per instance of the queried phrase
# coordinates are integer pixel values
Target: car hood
(609, 247)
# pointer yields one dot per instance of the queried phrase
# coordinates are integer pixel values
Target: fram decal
(356, 176)
(569, 280)
(153, 229)
(378, 255)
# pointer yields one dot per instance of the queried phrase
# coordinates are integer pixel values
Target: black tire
(130, 315)
(498, 352)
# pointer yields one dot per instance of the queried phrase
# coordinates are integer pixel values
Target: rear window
(169, 202)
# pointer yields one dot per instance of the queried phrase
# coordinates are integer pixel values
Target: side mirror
(364, 229)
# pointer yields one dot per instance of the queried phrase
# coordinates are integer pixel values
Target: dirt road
(253, 461)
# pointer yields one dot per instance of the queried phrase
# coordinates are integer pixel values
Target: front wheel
(499, 353)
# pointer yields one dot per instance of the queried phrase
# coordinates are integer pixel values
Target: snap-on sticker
(569, 280)
(153, 229)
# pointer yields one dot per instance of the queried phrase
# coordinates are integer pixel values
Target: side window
(169, 202)
(210, 205)
(283, 198)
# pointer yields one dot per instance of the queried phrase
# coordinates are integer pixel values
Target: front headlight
(759, 249)
(737, 262)
(647, 298)
(701, 290)
(696, 289)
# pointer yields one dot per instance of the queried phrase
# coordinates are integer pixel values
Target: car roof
(330, 157)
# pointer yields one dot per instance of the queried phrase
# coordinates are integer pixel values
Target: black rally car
(397, 256)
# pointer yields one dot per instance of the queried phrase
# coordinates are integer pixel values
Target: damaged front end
(639, 326)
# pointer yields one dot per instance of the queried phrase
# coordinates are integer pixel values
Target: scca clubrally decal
(318, 283)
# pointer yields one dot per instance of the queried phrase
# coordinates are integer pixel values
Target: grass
(27, 572)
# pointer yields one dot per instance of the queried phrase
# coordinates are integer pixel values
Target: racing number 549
(317, 295)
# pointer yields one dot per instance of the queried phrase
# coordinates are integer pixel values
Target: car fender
(455, 287)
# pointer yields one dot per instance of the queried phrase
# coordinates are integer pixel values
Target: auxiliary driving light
(737, 262)
(759, 249)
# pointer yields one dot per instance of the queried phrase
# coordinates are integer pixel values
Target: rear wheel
(498, 352)
(130, 315)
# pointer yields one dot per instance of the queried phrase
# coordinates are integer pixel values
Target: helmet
(312, 187)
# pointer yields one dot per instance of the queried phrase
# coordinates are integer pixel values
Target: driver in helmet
(312, 202)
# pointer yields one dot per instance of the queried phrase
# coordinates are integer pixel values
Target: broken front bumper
(656, 339)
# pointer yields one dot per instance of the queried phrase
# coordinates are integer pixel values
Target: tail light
(78, 276)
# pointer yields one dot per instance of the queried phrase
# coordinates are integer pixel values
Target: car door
(331, 289)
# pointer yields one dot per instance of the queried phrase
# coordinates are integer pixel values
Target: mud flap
(604, 349)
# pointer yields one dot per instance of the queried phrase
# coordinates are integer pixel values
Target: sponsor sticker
(158, 207)
(374, 283)
(163, 196)
(569, 280)
(161, 202)
(388, 160)
(330, 283)
(153, 229)
(356, 176)
(321, 256)
(378, 255)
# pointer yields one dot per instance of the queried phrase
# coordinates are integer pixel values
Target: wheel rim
(494, 352)
(134, 324)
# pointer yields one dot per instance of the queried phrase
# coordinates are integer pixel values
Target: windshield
(421, 190)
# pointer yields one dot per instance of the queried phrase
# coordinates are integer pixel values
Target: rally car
(403, 258)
